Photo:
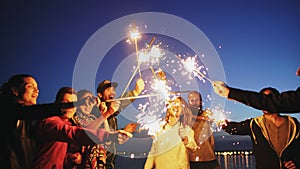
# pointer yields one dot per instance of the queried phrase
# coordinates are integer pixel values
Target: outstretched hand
(119, 136)
(139, 86)
(222, 123)
(114, 106)
(123, 136)
(220, 88)
(131, 127)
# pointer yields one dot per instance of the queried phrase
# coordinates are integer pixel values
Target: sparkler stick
(152, 70)
(185, 91)
(143, 96)
(135, 35)
(151, 42)
(130, 79)
(137, 55)
(132, 97)
(148, 47)
(195, 70)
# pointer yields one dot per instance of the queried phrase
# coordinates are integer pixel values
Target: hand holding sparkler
(222, 123)
(102, 106)
(113, 107)
(135, 35)
(123, 136)
(139, 87)
(206, 115)
(182, 132)
(131, 127)
(119, 136)
(220, 88)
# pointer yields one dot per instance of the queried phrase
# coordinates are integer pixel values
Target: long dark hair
(62, 91)
(16, 81)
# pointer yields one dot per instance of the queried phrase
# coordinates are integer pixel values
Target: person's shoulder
(52, 119)
(47, 122)
(293, 118)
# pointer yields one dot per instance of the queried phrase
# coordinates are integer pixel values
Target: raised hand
(139, 86)
(220, 88)
(123, 136)
(222, 123)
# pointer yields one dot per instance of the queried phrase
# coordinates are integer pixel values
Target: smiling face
(28, 92)
(109, 93)
(195, 102)
(67, 98)
(174, 110)
(86, 108)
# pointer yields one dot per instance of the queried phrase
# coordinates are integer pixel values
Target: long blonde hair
(185, 116)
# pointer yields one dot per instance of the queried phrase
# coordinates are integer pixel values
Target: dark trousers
(214, 164)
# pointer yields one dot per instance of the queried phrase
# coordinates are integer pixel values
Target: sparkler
(151, 42)
(135, 35)
(132, 97)
(218, 118)
(143, 96)
(130, 79)
(161, 87)
(190, 65)
(146, 54)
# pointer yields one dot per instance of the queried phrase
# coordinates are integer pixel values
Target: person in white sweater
(170, 147)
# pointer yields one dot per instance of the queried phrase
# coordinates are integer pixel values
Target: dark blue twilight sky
(257, 42)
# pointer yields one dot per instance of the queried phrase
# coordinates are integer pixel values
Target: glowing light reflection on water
(237, 161)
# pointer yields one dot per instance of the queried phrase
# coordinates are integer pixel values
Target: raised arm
(285, 102)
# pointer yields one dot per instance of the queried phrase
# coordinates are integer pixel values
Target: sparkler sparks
(152, 111)
(134, 33)
(150, 117)
(161, 87)
(190, 65)
(151, 56)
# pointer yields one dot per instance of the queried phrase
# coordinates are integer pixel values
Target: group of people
(275, 137)
(72, 132)
(186, 139)
(80, 129)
